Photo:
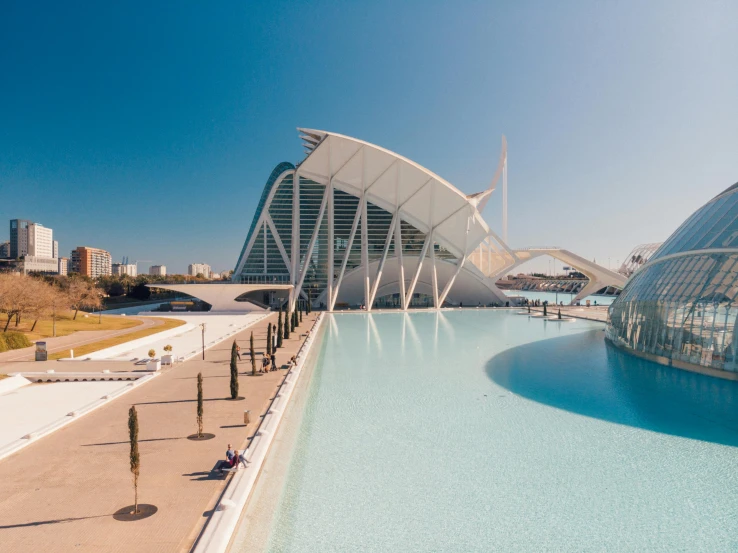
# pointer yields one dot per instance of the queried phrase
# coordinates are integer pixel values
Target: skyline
(153, 137)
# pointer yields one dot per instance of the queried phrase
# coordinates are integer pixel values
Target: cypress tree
(234, 372)
(269, 339)
(292, 322)
(135, 458)
(307, 305)
(287, 317)
(199, 405)
(253, 354)
(559, 314)
(545, 313)
(279, 329)
(300, 314)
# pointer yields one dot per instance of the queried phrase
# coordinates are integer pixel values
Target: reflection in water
(577, 374)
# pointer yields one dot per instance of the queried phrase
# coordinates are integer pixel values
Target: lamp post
(202, 326)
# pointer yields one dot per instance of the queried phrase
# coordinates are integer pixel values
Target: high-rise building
(63, 265)
(5, 250)
(91, 262)
(195, 269)
(19, 237)
(40, 241)
(129, 269)
(158, 270)
(56, 249)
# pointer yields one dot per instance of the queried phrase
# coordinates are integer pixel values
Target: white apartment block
(63, 265)
(56, 250)
(129, 269)
(195, 269)
(40, 241)
(158, 270)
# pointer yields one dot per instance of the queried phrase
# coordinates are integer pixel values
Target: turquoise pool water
(483, 430)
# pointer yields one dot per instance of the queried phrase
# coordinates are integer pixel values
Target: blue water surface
(483, 430)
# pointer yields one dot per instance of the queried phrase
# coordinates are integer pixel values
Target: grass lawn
(81, 351)
(66, 325)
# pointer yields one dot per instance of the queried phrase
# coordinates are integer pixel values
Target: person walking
(274, 361)
(238, 351)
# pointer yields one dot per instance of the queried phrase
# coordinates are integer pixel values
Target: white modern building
(129, 269)
(34, 264)
(63, 265)
(195, 269)
(355, 224)
(158, 270)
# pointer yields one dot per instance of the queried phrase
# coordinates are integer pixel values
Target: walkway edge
(221, 526)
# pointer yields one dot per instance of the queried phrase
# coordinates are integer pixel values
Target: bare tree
(83, 295)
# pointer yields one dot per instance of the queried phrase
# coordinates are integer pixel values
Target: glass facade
(683, 304)
(266, 261)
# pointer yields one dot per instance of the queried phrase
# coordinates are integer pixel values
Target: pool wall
(223, 522)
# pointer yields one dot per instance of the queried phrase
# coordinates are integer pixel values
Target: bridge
(494, 259)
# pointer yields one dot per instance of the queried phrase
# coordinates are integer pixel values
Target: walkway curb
(221, 526)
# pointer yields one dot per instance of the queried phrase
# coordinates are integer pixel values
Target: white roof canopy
(394, 182)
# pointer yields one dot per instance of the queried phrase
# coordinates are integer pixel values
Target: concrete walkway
(76, 339)
(59, 493)
(598, 313)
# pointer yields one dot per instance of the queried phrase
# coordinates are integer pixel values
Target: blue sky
(150, 131)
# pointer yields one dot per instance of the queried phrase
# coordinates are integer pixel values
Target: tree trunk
(17, 319)
(76, 310)
(34, 324)
(7, 323)
(135, 494)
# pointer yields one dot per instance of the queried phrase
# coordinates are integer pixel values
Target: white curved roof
(390, 180)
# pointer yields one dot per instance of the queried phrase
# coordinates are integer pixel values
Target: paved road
(76, 339)
(59, 493)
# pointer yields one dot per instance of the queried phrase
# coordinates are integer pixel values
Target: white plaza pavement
(185, 340)
(33, 407)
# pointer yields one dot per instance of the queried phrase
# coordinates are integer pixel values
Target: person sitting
(228, 464)
(264, 363)
(229, 452)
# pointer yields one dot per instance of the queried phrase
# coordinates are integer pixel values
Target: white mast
(504, 199)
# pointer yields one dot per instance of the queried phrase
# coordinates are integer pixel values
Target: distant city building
(214, 276)
(129, 269)
(5, 250)
(19, 237)
(63, 265)
(40, 241)
(199, 268)
(56, 250)
(158, 270)
(91, 262)
(35, 264)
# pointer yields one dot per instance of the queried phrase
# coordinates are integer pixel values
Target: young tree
(279, 329)
(199, 405)
(234, 371)
(287, 317)
(559, 316)
(308, 307)
(292, 322)
(300, 314)
(545, 312)
(253, 354)
(269, 339)
(135, 458)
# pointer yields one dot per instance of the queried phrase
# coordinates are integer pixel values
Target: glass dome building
(680, 308)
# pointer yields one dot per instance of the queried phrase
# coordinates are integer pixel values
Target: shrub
(13, 340)
(152, 353)
(168, 348)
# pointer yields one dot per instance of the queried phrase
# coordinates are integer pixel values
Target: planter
(153, 365)
(167, 359)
